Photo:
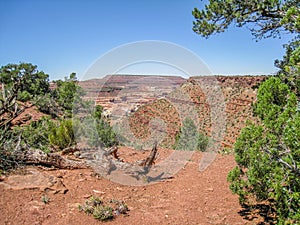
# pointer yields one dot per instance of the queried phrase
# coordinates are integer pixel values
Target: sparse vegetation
(189, 138)
(36, 133)
(98, 130)
(45, 199)
(24, 87)
(103, 213)
(62, 135)
(96, 207)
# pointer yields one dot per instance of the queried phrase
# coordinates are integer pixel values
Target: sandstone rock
(34, 179)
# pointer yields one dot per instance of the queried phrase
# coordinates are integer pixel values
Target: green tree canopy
(290, 66)
(24, 80)
(68, 94)
(267, 18)
(189, 138)
(267, 154)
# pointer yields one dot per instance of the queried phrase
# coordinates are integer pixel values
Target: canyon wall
(170, 99)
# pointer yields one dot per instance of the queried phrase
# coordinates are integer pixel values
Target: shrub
(268, 155)
(36, 133)
(45, 199)
(98, 130)
(103, 213)
(62, 135)
(94, 206)
(7, 144)
(68, 95)
(202, 142)
(189, 138)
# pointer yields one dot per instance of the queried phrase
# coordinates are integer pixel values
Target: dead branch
(293, 168)
(69, 150)
(149, 161)
(112, 151)
(38, 157)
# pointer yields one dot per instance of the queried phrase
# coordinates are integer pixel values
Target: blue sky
(65, 36)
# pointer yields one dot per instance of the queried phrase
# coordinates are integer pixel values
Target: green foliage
(267, 18)
(103, 213)
(64, 99)
(272, 95)
(94, 206)
(189, 138)
(20, 82)
(106, 134)
(268, 155)
(25, 80)
(62, 135)
(45, 199)
(7, 145)
(68, 94)
(98, 112)
(97, 130)
(290, 66)
(49, 105)
(16, 81)
(202, 142)
(46, 134)
(36, 134)
(31, 80)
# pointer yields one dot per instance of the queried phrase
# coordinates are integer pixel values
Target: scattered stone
(87, 196)
(34, 179)
(210, 189)
(73, 206)
(98, 192)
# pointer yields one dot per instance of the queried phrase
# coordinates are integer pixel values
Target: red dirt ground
(191, 197)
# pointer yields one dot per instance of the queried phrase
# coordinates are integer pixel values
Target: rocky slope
(214, 103)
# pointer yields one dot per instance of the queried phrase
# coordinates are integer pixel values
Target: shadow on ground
(265, 211)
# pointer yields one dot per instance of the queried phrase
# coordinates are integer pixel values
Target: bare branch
(293, 168)
(149, 161)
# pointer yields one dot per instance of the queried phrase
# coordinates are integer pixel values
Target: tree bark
(38, 157)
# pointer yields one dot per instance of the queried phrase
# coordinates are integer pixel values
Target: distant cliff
(146, 97)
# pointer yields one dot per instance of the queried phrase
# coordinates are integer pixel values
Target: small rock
(87, 196)
(74, 205)
(98, 192)
(210, 189)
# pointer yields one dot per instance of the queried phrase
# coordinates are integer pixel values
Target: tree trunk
(38, 157)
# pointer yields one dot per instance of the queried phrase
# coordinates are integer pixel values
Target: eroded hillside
(143, 98)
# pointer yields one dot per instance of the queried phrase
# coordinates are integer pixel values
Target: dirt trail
(191, 197)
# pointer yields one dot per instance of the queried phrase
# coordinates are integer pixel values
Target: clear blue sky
(64, 36)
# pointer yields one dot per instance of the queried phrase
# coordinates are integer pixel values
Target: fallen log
(38, 157)
(69, 150)
(104, 162)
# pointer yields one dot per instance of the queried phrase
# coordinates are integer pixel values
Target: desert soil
(190, 197)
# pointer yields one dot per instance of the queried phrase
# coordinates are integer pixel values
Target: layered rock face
(214, 103)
